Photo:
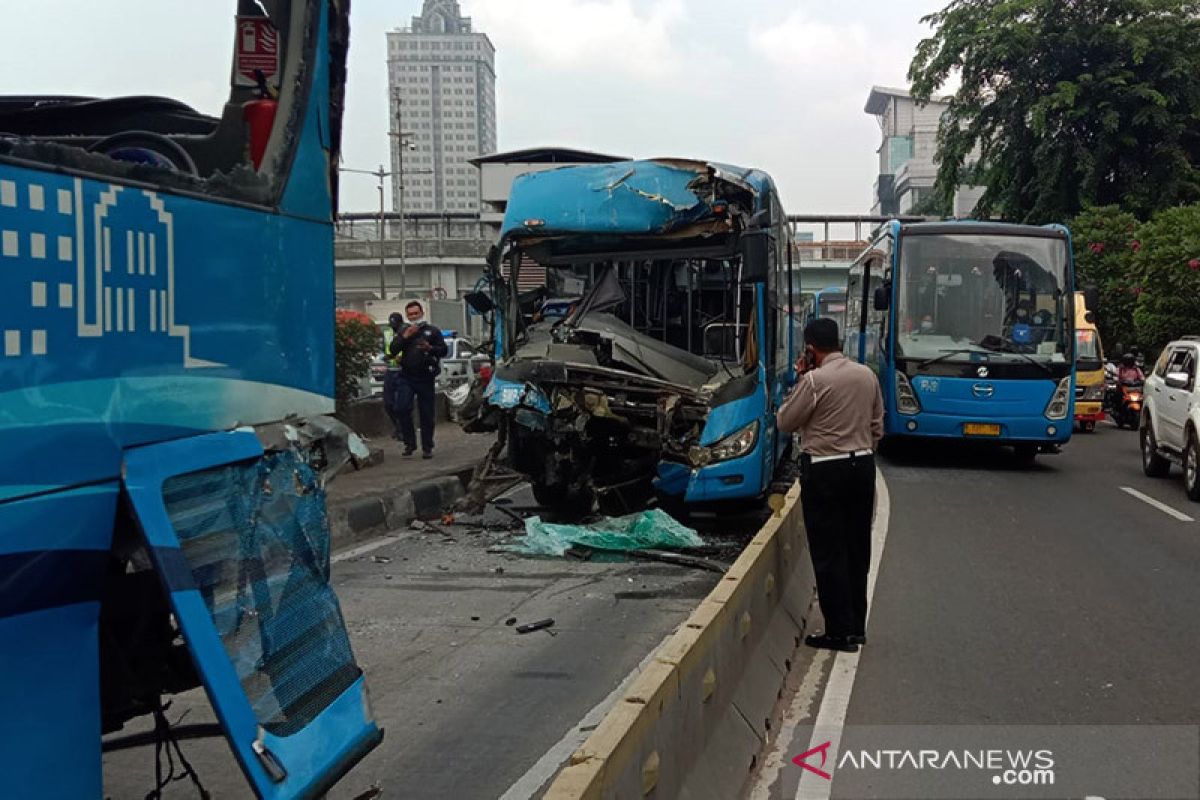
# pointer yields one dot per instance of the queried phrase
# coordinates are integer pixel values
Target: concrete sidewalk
(390, 494)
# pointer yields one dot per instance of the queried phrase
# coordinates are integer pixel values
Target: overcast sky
(776, 84)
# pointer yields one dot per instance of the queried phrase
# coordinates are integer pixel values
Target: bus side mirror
(883, 296)
(1089, 317)
(756, 251)
(1091, 298)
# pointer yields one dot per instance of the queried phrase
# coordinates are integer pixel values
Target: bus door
(240, 541)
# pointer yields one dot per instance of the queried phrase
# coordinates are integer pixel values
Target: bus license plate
(980, 429)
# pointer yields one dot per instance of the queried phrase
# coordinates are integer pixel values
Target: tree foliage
(1167, 270)
(1105, 240)
(1066, 103)
(356, 342)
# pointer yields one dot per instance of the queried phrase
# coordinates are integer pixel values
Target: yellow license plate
(980, 429)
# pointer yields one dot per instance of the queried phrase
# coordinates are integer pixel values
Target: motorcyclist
(1129, 371)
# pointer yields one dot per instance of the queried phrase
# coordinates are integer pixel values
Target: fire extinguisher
(259, 116)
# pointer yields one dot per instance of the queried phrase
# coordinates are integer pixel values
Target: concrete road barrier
(694, 721)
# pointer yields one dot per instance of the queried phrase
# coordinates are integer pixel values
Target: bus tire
(1026, 453)
(564, 499)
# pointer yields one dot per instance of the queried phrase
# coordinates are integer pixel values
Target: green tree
(1104, 240)
(1066, 103)
(1167, 269)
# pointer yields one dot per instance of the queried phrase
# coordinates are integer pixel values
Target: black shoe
(408, 451)
(426, 454)
(827, 642)
(860, 639)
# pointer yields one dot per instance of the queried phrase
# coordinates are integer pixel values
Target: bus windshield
(962, 294)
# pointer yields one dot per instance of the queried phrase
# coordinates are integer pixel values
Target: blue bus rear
(969, 326)
(166, 301)
(666, 375)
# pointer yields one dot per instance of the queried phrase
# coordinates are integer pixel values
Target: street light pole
(382, 261)
(380, 174)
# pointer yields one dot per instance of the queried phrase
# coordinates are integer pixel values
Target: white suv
(1171, 416)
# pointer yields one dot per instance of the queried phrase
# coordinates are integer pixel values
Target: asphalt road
(469, 707)
(1036, 604)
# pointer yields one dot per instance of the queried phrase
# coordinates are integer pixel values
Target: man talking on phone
(837, 408)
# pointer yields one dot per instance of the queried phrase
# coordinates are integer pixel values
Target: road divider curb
(695, 719)
(358, 518)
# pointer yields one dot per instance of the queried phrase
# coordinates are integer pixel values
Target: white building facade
(442, 96)
(907, 152)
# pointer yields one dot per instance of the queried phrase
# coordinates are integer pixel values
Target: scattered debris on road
(530, 627)
(381, 559)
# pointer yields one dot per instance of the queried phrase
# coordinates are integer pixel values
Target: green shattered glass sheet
(654, 529)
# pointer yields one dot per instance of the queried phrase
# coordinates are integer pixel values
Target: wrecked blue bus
(166, 314)
(665, 376)
(971, 329)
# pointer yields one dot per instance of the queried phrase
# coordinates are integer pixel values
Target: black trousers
(421, 391)
(391, 389)
(838, 499)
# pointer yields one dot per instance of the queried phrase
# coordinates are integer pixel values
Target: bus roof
(641, 200)
(982, 228)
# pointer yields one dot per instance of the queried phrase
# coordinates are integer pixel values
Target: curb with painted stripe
(695, 719)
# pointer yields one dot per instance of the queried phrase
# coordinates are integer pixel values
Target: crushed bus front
(656, 381)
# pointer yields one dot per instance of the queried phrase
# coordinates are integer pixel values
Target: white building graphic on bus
(102, 270)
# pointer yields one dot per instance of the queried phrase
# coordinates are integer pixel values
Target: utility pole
(380, 175)
(403, 143)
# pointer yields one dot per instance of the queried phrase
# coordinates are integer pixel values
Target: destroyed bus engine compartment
(657, 381)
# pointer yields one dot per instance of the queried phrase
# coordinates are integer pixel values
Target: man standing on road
(837, 408)
(418, 348)
(391, 378)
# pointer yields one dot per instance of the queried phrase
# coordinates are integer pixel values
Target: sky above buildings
(776, 84)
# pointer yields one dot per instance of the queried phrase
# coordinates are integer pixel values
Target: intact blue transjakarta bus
(970, 327)
(666, 375)
(166, 303)
(830, 303)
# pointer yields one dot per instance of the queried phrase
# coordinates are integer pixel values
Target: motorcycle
(1125, 404)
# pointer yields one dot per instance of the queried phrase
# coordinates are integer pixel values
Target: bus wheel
(1089, 427)
(563, 499)
(1026, 453)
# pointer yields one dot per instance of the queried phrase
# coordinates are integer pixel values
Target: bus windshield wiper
(1006, 348)
(946, 354)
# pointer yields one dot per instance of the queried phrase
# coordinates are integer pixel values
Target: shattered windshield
(960, 295)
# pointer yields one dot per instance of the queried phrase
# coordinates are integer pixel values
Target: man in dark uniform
(838, 410)
(418, 349)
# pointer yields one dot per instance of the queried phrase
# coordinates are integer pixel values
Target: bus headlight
(906, 398)
(1093, 393)
(1060, 403)
(736, 444)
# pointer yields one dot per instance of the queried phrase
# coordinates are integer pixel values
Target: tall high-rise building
(442, 94)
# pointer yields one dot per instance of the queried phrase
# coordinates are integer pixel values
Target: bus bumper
(729, 480)
(1011, 429)
(1089, 412)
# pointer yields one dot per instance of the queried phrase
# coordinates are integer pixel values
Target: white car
(1171, 414)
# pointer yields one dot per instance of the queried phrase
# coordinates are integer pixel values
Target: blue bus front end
(969, 326)
(665, 377)
(166, 304)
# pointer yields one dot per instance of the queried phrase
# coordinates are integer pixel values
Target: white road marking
(1163, 507)
(363, 549)
(553, 759)
(831, 717)
(797, 711)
